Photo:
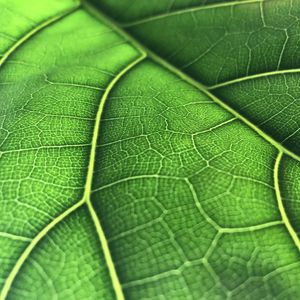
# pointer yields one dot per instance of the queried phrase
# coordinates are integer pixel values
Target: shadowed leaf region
(149, 149)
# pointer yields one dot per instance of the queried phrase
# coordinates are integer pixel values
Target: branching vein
(162, 62)
(29, 34)
(89, 181)
(188, 10)
(282, 211)
(14, 272)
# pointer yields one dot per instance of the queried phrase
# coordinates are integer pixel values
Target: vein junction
(86, 197)
(88, 187)
(281, 148)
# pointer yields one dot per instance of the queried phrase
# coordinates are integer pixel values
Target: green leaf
(149, 149)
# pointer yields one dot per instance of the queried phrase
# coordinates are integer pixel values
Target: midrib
(185, 77)
(86, 198)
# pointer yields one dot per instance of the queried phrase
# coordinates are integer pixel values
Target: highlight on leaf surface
(149, 149)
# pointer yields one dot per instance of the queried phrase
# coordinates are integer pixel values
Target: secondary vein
(281, 149)
(282, 211)
(204, 89)
(88, 188)
(188, 10)
(15, 237)
(32, 32)
(85, 200)
(15, 270)
(255, 76)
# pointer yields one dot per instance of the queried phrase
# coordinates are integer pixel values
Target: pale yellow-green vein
(165, 64)
(88, 188)
(189, 10)
(15, 270)
(32, 32)
(281, 207)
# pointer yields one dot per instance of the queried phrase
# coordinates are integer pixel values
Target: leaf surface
(149, 150)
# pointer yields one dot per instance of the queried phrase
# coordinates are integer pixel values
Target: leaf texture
(149, 149)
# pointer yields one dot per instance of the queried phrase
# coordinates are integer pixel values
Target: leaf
(149, 149)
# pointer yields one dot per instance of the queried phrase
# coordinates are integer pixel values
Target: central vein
(281, 148)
